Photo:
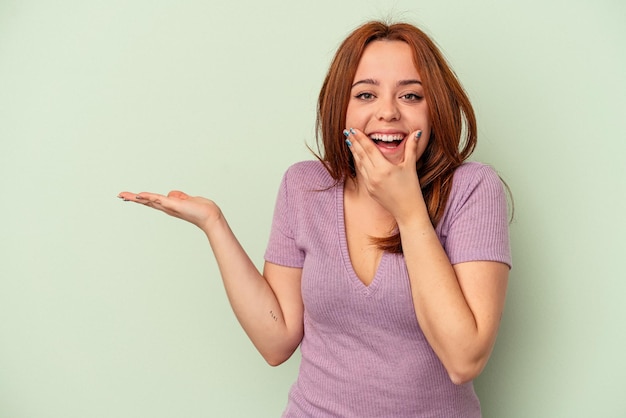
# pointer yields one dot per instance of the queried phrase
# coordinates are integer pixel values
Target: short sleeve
(475, 225)
(282, 248)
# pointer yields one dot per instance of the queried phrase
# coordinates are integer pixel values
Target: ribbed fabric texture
(363, 352)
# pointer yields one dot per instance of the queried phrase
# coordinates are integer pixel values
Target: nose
(387, 110)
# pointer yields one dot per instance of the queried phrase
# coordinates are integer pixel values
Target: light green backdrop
(111, 310)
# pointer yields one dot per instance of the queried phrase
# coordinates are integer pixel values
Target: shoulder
(474, 170)
(471, 175)
(309, 175)
(475, 185)
(474, 225)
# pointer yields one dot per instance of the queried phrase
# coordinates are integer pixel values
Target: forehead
(385, 58)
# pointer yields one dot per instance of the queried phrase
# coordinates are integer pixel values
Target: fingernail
(352, 131)
(348, 142)
(346, 133)
(418, 135)
(138, 197)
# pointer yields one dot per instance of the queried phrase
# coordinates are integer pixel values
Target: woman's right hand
(196, 210)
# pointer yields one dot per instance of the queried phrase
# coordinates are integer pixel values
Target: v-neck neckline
(343, 242)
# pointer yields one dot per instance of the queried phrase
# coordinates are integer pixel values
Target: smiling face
(387, 98)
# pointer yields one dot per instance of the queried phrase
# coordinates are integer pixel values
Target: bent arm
(458, 306)
(269, 305)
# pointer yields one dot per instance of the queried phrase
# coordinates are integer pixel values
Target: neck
(356, 190)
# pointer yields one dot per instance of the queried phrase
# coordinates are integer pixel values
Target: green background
(112, 310)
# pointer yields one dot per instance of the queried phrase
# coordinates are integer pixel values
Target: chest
(362, 224)
(336, 300)
(363, 254)
(348, 285)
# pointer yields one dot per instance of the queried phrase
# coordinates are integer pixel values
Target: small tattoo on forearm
(274, 317)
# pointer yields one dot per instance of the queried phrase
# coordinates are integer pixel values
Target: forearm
(253, 301)
(441, 307)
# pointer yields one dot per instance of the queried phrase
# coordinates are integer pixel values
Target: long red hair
(453, 123)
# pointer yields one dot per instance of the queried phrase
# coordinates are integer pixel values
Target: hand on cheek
(365, 151)
(392, 185)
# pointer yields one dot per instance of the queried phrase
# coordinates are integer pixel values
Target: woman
(388, 259)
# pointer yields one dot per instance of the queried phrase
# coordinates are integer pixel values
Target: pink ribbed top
(363, 352)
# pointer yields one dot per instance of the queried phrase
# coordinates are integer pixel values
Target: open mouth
(387, 141)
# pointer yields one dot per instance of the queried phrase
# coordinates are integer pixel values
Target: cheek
(355, 117)
(419, 118)
(422, 122)
(351, 121)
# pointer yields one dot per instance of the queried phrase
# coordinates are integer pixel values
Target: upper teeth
(387, 138)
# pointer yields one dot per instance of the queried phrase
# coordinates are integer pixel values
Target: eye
(364, 96)
(412, 97)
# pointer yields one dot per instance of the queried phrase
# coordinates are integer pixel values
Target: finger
(364, 156)
(177, 194)
(358, 154)
(149, 197)
(153, 200)
(126, 196)
(368, 152)
(411, 148)
(165, 204)
(422, 143)
(132, 197)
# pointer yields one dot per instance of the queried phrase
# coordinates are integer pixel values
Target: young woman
(388, 258)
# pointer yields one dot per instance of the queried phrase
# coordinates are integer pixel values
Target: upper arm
(285, 283)
(484, 284)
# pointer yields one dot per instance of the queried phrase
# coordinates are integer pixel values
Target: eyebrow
(376, 83)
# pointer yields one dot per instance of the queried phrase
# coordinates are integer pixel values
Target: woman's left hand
(394, 186)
